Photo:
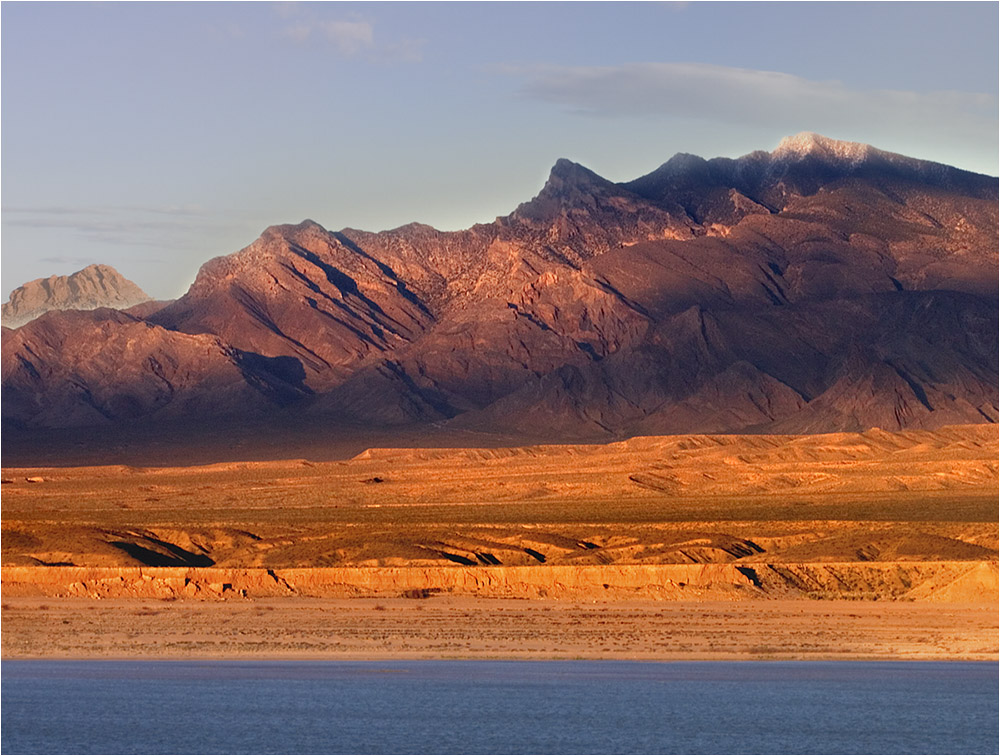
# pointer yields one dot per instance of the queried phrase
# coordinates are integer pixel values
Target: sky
(155, 136)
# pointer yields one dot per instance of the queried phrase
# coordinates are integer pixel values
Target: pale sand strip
(461, 627)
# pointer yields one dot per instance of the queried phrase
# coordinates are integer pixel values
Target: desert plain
(871, 545)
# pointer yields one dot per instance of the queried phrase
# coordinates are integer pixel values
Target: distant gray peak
(93, 287)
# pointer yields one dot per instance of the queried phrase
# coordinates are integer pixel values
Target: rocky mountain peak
(88, 289)
(824, 286)
(809, 159)
(568, 184)
(565, 173)
(289, 230)
(683, 168)
(413, 227)
(808, 143)
(683, 163)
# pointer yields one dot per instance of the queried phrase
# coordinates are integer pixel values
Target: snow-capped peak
(808, 143)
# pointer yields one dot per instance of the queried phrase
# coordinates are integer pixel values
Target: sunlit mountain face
(823, 286)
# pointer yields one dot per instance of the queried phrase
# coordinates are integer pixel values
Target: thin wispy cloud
(350, 38)
(747, 96)
(67, 260)
(21, 210)
(162, 226)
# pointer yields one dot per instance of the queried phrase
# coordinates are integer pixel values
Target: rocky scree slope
(823, 286)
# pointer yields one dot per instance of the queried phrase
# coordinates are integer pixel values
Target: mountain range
(824, 286)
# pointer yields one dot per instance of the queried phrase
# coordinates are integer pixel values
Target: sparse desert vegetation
(661, 521)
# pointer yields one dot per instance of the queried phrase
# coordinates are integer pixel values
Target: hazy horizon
(154, 136)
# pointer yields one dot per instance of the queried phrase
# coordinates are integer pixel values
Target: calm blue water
(498, 707)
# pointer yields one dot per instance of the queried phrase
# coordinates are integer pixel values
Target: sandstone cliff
(961, 582)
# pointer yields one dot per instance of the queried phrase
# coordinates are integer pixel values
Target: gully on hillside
(823, 286)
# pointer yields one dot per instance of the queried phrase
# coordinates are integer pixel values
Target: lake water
(498, 707)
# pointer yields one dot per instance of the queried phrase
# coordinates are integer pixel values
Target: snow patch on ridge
(808, 143)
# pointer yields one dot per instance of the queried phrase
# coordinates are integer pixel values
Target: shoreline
(464, 628)
(853, 546)
(512, 659)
